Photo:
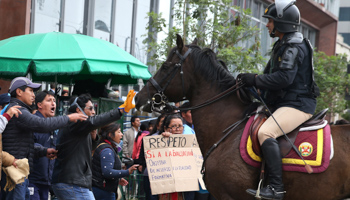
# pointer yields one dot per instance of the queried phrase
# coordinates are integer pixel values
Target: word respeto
(172, 141)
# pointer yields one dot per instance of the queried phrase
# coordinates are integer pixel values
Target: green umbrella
(68, 57)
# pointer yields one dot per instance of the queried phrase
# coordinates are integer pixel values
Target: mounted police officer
(287, 84)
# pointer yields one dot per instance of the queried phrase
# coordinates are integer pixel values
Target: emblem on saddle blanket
(313, 144)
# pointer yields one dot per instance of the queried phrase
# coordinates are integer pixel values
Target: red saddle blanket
(314, 146)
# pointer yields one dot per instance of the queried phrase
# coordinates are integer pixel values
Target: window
(344, 14)
(123, 24)
(102, 20)
(346, 37)
(46, 16)
(308, 33)
(74, 16)
(143, 7)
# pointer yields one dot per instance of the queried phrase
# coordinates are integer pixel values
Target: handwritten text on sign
(172, 163)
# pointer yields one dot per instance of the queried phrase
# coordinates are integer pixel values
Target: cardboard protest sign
(172, 163)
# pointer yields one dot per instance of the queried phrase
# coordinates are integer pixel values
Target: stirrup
(257, 195)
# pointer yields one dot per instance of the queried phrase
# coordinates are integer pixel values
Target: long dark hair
(109, 128)
(157, 123)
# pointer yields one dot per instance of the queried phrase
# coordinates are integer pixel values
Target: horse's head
(171, 82)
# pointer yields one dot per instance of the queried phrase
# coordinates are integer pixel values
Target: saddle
(283, 143)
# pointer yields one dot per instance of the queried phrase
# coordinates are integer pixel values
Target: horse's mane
(212, 69)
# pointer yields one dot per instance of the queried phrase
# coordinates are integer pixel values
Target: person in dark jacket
(72, 176)
(106, 165)
(287, 84)
(40, 177)
(18, 137)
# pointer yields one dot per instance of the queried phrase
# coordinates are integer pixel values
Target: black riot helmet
(285, 14)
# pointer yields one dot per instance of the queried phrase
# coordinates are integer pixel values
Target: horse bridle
(159, 98)
(163, 100)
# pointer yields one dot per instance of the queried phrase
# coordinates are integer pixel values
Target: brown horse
(197, 75)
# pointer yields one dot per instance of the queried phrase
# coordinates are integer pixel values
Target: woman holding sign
(173, 124)
(106, 165)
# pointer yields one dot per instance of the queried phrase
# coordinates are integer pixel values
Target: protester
(40, 177)
(138, 140)
(187, 116)
(173, 124)
(65, 93)
(142, 160)
(151, 126)
(53, 88)
(106, 165)
(4, 101)
(129, 137)
(18, 137)
(7, 159)
(72, 176)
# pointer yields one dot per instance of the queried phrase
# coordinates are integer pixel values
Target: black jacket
(288, 77)
(18, 137)
(74, 145)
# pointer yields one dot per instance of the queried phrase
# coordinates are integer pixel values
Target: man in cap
(287, 84)
(18, 137)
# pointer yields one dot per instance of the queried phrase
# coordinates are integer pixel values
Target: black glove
(248, 79)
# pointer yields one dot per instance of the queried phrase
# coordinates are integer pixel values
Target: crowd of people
(165, 125)
(66, 157)
(66, 141)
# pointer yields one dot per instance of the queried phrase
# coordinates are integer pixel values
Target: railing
(134, 190)
(127, 123)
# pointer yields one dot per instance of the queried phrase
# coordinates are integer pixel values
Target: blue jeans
(20, 192)
(40, 191)
(65, 191)
(103, 195)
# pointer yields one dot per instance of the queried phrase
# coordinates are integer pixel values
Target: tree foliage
(332, 79)
(229, 32)
(225, 29)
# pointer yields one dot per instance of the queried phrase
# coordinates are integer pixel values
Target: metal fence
(134, 190)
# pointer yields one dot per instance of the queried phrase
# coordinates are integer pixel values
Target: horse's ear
(194, 42)
(179, 42)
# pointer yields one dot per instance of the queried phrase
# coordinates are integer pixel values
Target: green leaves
(225, 29)
(332, 79)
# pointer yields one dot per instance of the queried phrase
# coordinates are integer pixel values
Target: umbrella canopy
(68, 57)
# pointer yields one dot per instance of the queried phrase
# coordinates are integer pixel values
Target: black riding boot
(272, 156)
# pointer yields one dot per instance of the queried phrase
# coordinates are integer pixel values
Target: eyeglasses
(90, 108)
(176, 127)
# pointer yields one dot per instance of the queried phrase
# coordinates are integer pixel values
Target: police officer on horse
(288, 84)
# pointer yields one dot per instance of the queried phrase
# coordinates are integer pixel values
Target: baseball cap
(22, 81)
(5, 98)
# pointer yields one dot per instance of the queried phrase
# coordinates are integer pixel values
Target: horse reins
(164, 100)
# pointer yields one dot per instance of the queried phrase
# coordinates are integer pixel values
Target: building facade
(344, 21)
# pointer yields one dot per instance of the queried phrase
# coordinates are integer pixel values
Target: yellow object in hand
(127, 105)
